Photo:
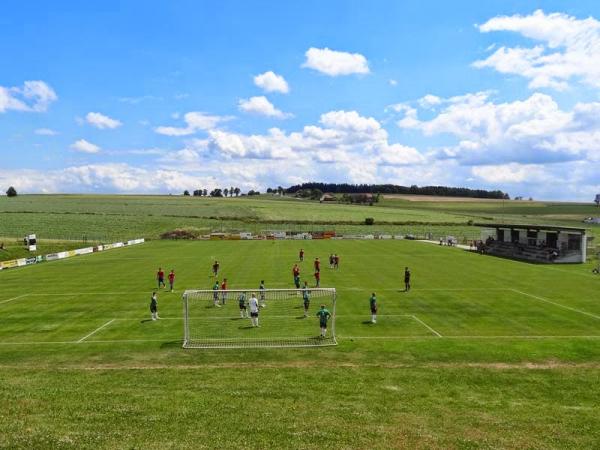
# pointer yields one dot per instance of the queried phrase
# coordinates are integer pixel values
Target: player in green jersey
(216, 294)
(243, 308)
(323, 314)
(373, 305)
(306, 298)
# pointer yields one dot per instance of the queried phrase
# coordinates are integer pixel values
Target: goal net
(213, 318)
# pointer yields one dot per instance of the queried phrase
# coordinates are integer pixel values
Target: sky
(161, 96)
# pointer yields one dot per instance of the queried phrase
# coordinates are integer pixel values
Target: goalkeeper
(323, 314)
(242, 302)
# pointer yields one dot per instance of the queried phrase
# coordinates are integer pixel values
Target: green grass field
(482, 353)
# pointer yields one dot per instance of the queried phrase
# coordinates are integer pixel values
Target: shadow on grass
(171, 344)
(367, 322)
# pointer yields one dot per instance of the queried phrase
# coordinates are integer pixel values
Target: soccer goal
(213, 318)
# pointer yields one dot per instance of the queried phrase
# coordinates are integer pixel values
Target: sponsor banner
(84, 251)
(21, 262)
(245, 235)
(9, 264)
(71, 253)
(51, 257)
(32, 260)
(98, 248)
(135, 241)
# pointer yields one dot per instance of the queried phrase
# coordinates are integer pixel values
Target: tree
(225, 191)
(231, 191)
(237, 191)
(597, 200)
(205, 192)
(186, 193)
(279, 190)
(269, 191)
(11, 192)
(216, 193)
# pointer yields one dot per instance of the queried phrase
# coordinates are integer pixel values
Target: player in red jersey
(224, 291)
(171, 279)
(317, 278)
(160, 276)
(215, 268)
(301, 255)
(317, 265)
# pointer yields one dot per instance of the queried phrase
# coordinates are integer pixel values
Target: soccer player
(336, 261)
(306, 298)
(297, 281)
(331, 261)
(253, 304)
(301, 254)
(160, 276)
(262, 288)
(317, 265)
(406, 279)
(154, 306)
(171, 279)
(323, 314)
(242, 303)
(215, 268)
(224, 291)
(373, 305)
(216, 294)
(317, 279)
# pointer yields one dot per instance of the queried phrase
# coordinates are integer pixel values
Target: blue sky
(157, 97)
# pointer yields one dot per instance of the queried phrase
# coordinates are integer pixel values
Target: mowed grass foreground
(483, 352)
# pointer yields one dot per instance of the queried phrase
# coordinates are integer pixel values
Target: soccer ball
(264, 305)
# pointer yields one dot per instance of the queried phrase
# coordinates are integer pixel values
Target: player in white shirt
(253, 305)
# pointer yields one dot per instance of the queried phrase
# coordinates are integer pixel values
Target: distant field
(79, 217)
(482, 353)
(439, 198)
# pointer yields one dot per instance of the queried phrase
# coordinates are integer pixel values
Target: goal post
(213, 318)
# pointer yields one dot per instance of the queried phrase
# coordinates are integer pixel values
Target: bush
(11, 192)
(369, 221)
(182, 233)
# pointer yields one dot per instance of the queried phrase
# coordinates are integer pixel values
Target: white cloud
(45, 132)
(392, 82)
(101, 121)
(84, 146)
(534, 130)
(33, 96)
(262, 106)
(271, 82)
(510, 173)
(569, 49)
(335, 63)
(195, 121)
(429, 100)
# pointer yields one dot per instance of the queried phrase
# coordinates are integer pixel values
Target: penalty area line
(426, 326)
(542, 299)
(13, 299)
(95, 331)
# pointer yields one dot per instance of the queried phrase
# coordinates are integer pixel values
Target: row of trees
(444, 191)
(227, 192)
(11, 192)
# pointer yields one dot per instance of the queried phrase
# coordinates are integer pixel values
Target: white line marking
(14, 298)
(116, 341)
(557, 304)
(95, 331)
(426, 326)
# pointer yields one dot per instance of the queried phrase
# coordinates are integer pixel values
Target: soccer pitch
(482, 352)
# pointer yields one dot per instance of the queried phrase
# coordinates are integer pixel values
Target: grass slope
(516, 366)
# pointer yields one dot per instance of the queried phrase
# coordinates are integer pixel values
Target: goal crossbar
(215, 318)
